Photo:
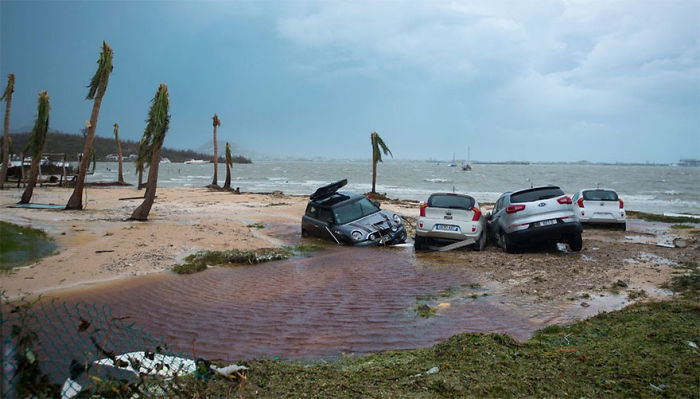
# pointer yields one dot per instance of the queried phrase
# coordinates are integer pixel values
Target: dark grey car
(534, 216)
(350, 218)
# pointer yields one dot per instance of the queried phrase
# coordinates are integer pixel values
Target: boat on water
(196, 162)
(165, 160)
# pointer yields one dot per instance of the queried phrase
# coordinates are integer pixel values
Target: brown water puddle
(340, 300)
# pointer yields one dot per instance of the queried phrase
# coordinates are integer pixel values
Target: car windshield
(451, 201)
(354, 210)
(599, 195)
(536, 194)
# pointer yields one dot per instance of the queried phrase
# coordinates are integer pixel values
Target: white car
(600, 205)
(448, 218)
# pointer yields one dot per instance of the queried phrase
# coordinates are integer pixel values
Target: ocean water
(656, 189)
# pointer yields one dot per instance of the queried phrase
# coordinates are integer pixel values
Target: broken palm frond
(200, 260)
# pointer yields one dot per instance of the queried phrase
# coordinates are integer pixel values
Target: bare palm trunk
(6, 141)
(76, 199)
(141, 213)
(215, 182)
(227, 182)
(33, 177)
(374, 176)
(140, 186)
(119, 153)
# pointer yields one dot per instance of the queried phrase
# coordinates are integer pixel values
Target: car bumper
(551, 233)
(389, 238)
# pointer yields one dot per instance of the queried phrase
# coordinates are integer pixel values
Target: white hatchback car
(448, 218)
(600, 205)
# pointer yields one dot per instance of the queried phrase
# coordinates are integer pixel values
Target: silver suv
(534, 216)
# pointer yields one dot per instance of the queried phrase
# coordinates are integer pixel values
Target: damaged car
(348, 218)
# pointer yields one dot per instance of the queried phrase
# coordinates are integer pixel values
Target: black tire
(507, 244)
(623, 226)
(419, 243)
(480, 243)
(575, 242)
(304, 233)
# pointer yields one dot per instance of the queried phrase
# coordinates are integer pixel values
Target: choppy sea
(657, 189)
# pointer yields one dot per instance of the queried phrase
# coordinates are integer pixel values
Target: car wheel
(419, 243)
(480, 243)
(304, 233)
(507, 244)
(623, 226)
(576, 242)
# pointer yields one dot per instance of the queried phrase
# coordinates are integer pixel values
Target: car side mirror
(488, 215)
(376, 203)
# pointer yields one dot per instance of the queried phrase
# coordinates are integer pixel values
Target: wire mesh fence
(52, 349)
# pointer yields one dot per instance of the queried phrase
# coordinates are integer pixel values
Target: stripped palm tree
(216, 123)
(158, 123)
(97, 89)
(377, 145)
(229, 164)
(141, 161)
(120, 179)
(36, 144)
(7, 97)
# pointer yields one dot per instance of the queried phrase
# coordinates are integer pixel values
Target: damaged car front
(352, 219)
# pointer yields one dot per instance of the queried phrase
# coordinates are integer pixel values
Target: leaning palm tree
(7, 96)
(97, 89)
(158, 123)
(36, 144)
(229, 164)
(120, 179)
(216, 123)
(377, 144)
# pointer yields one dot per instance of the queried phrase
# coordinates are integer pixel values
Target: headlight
(397, 219)
(356, 235)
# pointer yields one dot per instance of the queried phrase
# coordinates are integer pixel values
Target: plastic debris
(692, 344)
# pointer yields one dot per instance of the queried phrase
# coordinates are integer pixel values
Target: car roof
(337, 198)
(598, 189)
(524, 190)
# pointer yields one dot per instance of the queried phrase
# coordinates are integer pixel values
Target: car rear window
(599, 195)
(451, 201)
(536, 194)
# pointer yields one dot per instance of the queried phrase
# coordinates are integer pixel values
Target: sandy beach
(99, 244)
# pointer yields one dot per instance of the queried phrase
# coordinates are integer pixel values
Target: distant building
(689, 162)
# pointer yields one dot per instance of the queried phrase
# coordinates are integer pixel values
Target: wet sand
(340, 299)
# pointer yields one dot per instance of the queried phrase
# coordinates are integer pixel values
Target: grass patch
(20, 245)
(652, 217)
(682, 226)
(200, 260)
(631, 353)
(424, 310)
(255, 226)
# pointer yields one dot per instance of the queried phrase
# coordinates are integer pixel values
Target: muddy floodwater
(341, 299)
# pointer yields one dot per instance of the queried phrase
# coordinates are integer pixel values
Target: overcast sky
(511, 80)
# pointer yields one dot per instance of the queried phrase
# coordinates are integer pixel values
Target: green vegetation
(71, 144)
(643, 350)
(19, 245)
(652, 217)
(200, 260)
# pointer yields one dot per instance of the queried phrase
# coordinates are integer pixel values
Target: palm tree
(158, 123)
(119, 153)
(229, 163)
(141, 161)
(377, 144)
(36, 144)
(97, 89)
(216, 122)
(7, 96)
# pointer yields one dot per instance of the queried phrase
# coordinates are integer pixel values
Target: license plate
(547, 222)
(446, 227)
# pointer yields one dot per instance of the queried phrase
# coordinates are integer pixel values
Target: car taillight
(580, 202)
(564, 200)
(422, 209)
(477, 214)
(514, 208)
(622, 204)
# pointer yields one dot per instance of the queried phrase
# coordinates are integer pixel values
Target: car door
(495, 215)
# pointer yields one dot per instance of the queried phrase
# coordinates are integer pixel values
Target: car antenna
(453, 189)
(528, 179)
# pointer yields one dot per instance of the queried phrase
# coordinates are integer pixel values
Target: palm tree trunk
(227, 183)
(33, 176)
(141, 213)
(140, 186)
(6, 142)
(374, 176)
(119, 154)
(76, 199)
(215, 182)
